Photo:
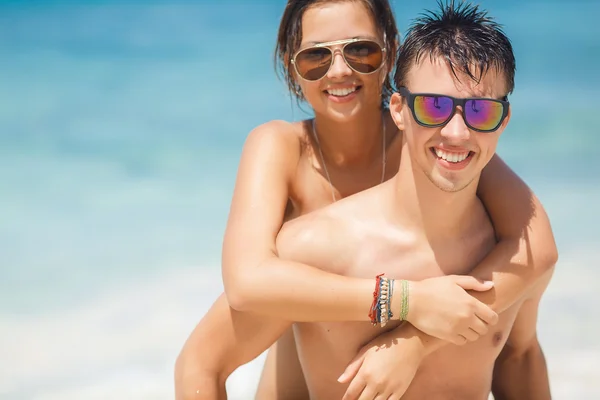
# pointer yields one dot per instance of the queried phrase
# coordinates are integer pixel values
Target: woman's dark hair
(289, 38)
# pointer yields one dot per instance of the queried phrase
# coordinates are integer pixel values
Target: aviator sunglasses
(361, 55)
(479, 113)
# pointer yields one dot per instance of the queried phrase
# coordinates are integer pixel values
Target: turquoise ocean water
(121, 124)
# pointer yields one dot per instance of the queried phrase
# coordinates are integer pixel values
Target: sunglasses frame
(410, 99)
(345, 43)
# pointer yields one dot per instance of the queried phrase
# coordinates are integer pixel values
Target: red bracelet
(375, 304)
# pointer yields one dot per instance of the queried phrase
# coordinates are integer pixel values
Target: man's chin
(449, 185)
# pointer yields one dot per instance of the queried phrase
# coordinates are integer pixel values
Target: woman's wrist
(403, 301)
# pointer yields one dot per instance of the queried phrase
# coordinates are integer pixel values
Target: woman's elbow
(550, 258)
(243, 283)
(547, 256)
(238, 298)
(241, 293)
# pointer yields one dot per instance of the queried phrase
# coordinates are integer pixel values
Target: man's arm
(520, 371)
(223, 340)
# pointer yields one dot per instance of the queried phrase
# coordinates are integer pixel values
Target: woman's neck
(352, 143)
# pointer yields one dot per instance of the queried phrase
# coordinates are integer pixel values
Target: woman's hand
(384, 368)
(441, 307)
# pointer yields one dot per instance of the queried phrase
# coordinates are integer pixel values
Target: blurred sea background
(121, 126)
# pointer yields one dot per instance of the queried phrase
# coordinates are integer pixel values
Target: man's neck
(427, 208)
(352, 143)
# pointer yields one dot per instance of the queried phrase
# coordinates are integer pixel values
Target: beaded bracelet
(381, 310)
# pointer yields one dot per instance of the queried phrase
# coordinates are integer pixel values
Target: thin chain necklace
(383, 157)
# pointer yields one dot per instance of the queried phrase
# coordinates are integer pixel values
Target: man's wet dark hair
(465, 36)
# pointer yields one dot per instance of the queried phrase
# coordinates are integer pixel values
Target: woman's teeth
(341, 92)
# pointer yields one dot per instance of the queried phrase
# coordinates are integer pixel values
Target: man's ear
(396, 103)
(505, 122)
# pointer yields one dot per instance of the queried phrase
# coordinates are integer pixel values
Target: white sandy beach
(122, 344)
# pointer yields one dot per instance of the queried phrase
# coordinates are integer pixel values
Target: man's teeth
(341, 92)
(451, 157)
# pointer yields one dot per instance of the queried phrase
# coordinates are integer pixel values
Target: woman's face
(342, 93)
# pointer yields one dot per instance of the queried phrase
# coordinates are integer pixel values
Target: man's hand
(384, 368)
(442, 308)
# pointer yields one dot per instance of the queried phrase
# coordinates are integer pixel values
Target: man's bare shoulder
(329, 238)
(314, 238)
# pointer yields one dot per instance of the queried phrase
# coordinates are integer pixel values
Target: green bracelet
(404, 306)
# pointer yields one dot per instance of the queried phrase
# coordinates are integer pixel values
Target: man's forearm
(521, 376)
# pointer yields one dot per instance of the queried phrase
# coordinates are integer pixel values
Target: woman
(336, 56)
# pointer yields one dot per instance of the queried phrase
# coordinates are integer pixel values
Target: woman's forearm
(513, 282)
(526, 248)
(299, 292)
(513, 276)
(206, 387)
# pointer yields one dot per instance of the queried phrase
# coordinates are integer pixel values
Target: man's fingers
(471, 283)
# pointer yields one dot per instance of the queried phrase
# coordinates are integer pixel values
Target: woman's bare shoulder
(289, 138)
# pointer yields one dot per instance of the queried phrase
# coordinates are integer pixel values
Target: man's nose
(456, 131)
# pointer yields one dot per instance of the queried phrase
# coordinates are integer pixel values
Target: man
(454, 73)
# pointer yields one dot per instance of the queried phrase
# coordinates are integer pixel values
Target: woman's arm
(221, 342)
(257, 280)
(526, 249)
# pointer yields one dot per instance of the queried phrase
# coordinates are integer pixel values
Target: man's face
(451, 156)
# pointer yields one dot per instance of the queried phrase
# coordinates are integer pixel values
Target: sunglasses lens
(484, 115)
(364, 56)
(313, 63)
(433, 110)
